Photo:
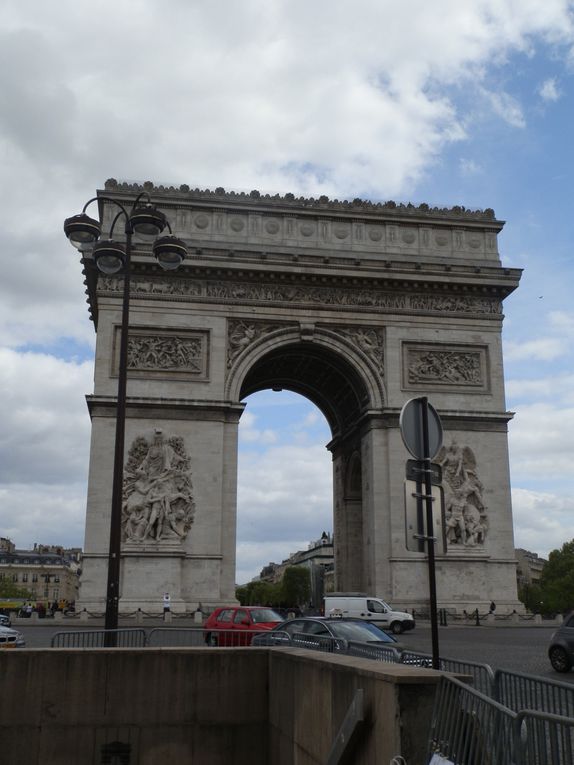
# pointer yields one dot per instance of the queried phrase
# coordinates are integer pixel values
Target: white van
(370, 609)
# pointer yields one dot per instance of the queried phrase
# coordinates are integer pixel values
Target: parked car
(236, 625)
(370, 609)
(10, 638)
(340, 629)
(561, 649)
(5, 620)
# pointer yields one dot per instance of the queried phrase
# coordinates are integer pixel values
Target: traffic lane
(518, 649)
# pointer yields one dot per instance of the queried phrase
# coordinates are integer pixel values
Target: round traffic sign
(412, 431)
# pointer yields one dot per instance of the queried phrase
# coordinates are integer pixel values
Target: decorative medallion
(341, 232)
(272, 226)
(408, 236)
(237, 224)
(307, 229)
(201, 221)
(375, 233)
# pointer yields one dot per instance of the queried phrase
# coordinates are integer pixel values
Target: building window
(14, 577)
(24, 577)
(34, 577)
(46, 592)
(57, 579)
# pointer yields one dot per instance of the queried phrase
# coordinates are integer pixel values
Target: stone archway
(358, 307)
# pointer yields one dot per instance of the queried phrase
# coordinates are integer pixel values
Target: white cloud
(541, 445)
(469, 167)
(549, 90)
(542, 521)
(507, 107)
(249, 434)
(542, 349)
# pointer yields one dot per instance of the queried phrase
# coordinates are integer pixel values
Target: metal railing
(183, 637)
(517, 691)
(482, 674)
(124, 638)
(469, 728)
(372, 651)
(544, 739)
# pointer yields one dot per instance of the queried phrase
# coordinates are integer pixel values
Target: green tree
(557, 581)
(10, 589)
(296, 586)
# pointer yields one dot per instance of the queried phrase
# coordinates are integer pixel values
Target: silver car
(561, 649)
(5, 620)
(10, 638)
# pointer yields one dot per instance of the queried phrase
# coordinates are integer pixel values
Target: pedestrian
(492, 607)
(166, 604)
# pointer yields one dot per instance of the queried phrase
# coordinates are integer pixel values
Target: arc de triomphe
(355, 305)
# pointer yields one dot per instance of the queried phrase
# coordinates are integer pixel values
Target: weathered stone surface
(360, 306)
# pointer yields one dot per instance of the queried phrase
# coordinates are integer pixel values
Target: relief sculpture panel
(429, 367)
(466, 514)
(172, 354)
(158, 505)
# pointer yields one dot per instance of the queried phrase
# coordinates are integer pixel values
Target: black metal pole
(430, 533)
(113, 587)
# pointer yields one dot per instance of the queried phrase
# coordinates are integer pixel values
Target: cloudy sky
(454, 102)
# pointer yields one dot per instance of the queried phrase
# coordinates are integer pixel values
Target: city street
(521, 649)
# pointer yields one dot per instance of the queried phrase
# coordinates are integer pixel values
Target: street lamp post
(112, 256)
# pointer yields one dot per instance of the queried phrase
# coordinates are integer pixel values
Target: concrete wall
(205, 706)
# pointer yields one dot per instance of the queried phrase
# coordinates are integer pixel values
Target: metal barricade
(517, 691)
(469, 728)
(124, 638)
(319, 643)
(416, 659)
(544, 739)
(372, 651)
(176, 636)
(232, 638)
(482, 674)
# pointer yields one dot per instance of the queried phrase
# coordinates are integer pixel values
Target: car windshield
(264, 615)
(359, 631)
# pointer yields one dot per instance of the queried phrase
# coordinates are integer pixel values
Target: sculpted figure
(466, 517)
(158, 493)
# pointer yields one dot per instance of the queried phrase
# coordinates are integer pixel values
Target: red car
(236, 625)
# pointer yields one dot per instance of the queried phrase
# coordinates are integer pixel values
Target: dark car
(561, 649)
(339, 631)
(236, 625)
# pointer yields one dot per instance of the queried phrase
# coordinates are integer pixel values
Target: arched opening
(328, 381)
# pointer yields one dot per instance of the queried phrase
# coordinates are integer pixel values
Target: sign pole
(429, 532)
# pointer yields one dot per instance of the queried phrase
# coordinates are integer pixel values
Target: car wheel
(559, 659)
(396, 628)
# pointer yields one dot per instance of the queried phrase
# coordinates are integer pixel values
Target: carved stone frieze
(452, 366)
(240, 335)
(466, 514)
(368, 340)
(303, 294)
(176, 354)
(158, 506)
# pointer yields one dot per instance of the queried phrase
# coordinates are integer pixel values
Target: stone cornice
(290, 203)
